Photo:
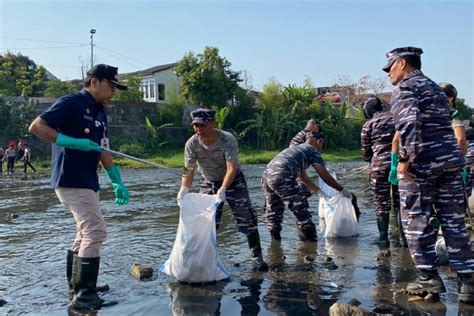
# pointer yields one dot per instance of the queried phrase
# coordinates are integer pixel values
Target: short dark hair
(413, 60)
(87, 82)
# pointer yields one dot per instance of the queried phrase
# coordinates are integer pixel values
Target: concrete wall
(126, 120)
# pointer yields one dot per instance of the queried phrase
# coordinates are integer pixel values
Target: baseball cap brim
(389, 64)
(119, 85)
(199, 120)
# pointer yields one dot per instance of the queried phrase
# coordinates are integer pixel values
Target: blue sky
(287, 40)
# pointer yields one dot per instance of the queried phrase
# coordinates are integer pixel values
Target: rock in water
(141, 273)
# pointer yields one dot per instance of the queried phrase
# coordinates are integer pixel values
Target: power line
(119, 58)
(35, 40)
(50, 47)
(119, 54)
(57, 66)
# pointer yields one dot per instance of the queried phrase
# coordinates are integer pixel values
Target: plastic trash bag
(323, 207)
(194, 254)
(340, 218)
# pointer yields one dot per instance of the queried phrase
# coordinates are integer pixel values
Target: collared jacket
(422, 118)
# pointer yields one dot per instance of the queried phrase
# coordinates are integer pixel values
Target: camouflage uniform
(237, 196)
(281, 187)
(376, 140)
(470, 166)
(298, 139)
(212, 163)
(427, 142)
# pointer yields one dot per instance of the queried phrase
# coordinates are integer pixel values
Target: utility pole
(92, 47)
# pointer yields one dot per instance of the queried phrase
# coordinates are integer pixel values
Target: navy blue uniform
(376, 141)
(76, 115)
(427, 142)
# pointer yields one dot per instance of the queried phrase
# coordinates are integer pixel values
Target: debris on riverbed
(329, 264)
(141, 273)
(384, 254)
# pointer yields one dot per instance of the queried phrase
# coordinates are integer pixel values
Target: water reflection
(196, 298)
(35, 231)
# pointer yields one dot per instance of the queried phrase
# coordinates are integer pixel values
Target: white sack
(194, 254)
(322, 207)
(340, 218)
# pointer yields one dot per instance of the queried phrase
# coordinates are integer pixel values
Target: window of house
(152, 90)
(161, 92)
(148, 88)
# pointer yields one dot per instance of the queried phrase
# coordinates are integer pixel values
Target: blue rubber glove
(392, 177)
(121, 192)
(464, 176)
(83, 144)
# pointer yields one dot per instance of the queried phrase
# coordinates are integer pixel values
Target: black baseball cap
(107, 72)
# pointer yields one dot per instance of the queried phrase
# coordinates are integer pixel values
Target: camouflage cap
(396, 53)
(202, 116)
(314, 121)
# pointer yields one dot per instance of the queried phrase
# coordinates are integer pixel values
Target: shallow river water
(36, 231)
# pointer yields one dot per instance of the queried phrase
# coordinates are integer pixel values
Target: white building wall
(167, 79)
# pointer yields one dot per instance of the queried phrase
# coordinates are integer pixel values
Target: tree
(15, 117)
(133, 92)
(272, 95)
(19, 75)
(58, 88)
(368, 84)
(206, 79)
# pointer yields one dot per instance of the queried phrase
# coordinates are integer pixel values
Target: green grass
(174, 157)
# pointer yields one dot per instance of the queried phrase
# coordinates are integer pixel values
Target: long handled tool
(141, 160)
(468, 209)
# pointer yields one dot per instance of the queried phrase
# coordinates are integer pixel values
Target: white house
(157, 82)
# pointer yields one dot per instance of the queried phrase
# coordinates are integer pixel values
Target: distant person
(27, 159)
(429, 170)
(10, 156)
(281, 187)
(76, 125)
(20, 149)
(376, 144)
(2, 153)
(459, 129)
(312, 126)
(217, 153)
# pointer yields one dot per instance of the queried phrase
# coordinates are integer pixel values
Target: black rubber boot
(85, 272)
(466, 287)
(275, 235)
(382, 225)
(69, 263)
(428, 282)
(308, 233)
(401, 233)
(255, 248)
